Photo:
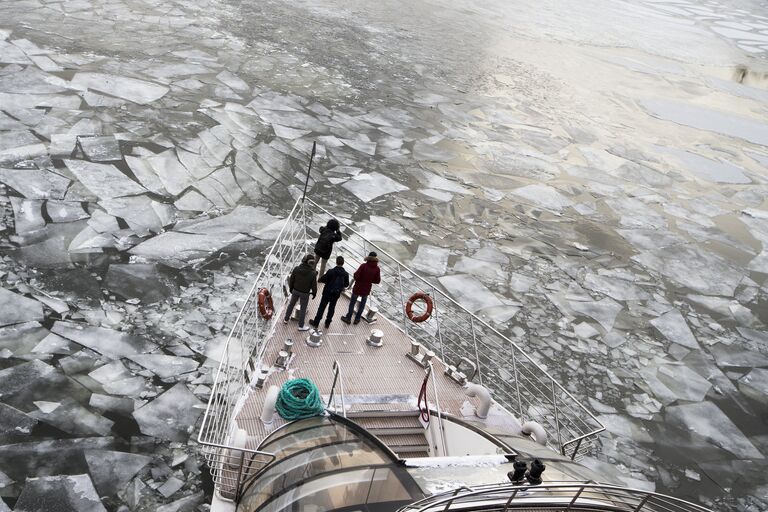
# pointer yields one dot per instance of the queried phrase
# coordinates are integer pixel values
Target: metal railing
(226, 457)
(552, 497)
(337, 377)
(515, 380)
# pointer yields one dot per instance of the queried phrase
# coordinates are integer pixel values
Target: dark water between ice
(599, 168)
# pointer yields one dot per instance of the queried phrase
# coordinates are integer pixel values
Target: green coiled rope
(299, 398)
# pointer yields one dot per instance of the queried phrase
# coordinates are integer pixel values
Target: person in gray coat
(302, 283)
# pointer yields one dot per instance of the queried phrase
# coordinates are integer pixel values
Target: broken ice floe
(171, 415)
(132, 89)
(63, 492)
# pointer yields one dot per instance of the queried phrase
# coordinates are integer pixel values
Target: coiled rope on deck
(299, 398)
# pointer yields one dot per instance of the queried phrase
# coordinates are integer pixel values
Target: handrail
(437, 403)
(558, 495)
(337, 376)
(536, 368)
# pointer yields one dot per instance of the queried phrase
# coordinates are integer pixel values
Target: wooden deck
(368, 373)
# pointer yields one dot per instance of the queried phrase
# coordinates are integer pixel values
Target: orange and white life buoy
(266, 306)
(409, 307)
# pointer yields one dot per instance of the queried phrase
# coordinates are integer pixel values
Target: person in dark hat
(302, 282)
(336, 280)
(365, 276)
(328, 235)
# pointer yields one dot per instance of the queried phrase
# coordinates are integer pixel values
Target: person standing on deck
(365, 276)
(336, 281)
(328, 235)
(302, 282)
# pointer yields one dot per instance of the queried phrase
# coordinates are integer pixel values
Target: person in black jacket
(302, 282)
(336, 280)
(328, 235)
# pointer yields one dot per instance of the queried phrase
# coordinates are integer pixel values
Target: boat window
(308, 464)
(295, 426)
(302, 439)
(343, 490)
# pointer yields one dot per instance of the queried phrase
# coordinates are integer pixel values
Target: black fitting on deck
(534, 474)
(518, 474)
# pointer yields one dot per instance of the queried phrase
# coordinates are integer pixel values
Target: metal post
(402, 301)
(517, 384)
(581, 489)
(474, 342)
(306, 183)
(576, 450)
(239, 476)
(439, 330)
(642, 503)
(557, 418)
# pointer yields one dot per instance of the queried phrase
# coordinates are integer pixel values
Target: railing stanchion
(437, 321)
(557, 419)
(575, 497)
(517, 384)
(402, 301)
(642, 503)
(477, 353)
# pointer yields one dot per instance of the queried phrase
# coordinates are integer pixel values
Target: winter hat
(309, 258)
(372, 254)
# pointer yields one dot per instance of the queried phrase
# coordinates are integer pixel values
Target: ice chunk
(165, 366)
(436, 194)
(41, 457)
(111, 343)
(432, 180)
(585, 330)
(141, 213)
(170, 487)
(15, 425)
(650, 239)
(616, 288)
(710, 170)
(625, 427)
(131, 89)
(289, 133)
(110, 372)
(737, 357)
(111, 471)
(708, 421)
(683, 383)
(425, 150)
(64, 492)
(185, 504)
(104, 180)
(383, 229)
(106, 403)
(231, 80)
(604, 311)
(372, 185)
(177, 69)
(15, 308)
(703, 118)
(54, 344)
(65, 211)
(170, 416)
(73, 418)
(485, 269)
(636, 214)
(145, 174)
(521, 283)
(760, 263)
(672, 326)
(193, 201)
(755, 385)
(176, 249)
(101, 149)
(469, 292)
(137, 280)
(27, 215)
(543, 196)
(173, 175)
(690, 266)
(430, 260)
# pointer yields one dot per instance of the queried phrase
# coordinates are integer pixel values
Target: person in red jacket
(365, 276)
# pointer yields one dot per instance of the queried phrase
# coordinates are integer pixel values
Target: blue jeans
(352, 301)
(330, 302)
(303, 299)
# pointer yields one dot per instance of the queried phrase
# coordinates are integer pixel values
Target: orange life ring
(266, 306)
(409, 307)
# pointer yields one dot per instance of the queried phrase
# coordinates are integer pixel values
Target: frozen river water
(590, 177)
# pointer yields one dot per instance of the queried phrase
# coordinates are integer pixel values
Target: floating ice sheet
(131, 89)
(165, 366)
(430, 260)
(15, 308)
(672, 326)
(111, 343)
(372, 185)
(468, 292)
(707, 420)
(64, 492)
(171, 415)
(111, 471)
(543, 196)
(106, 181)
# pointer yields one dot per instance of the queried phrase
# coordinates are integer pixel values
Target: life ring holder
(409, 307)
(266, 305)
